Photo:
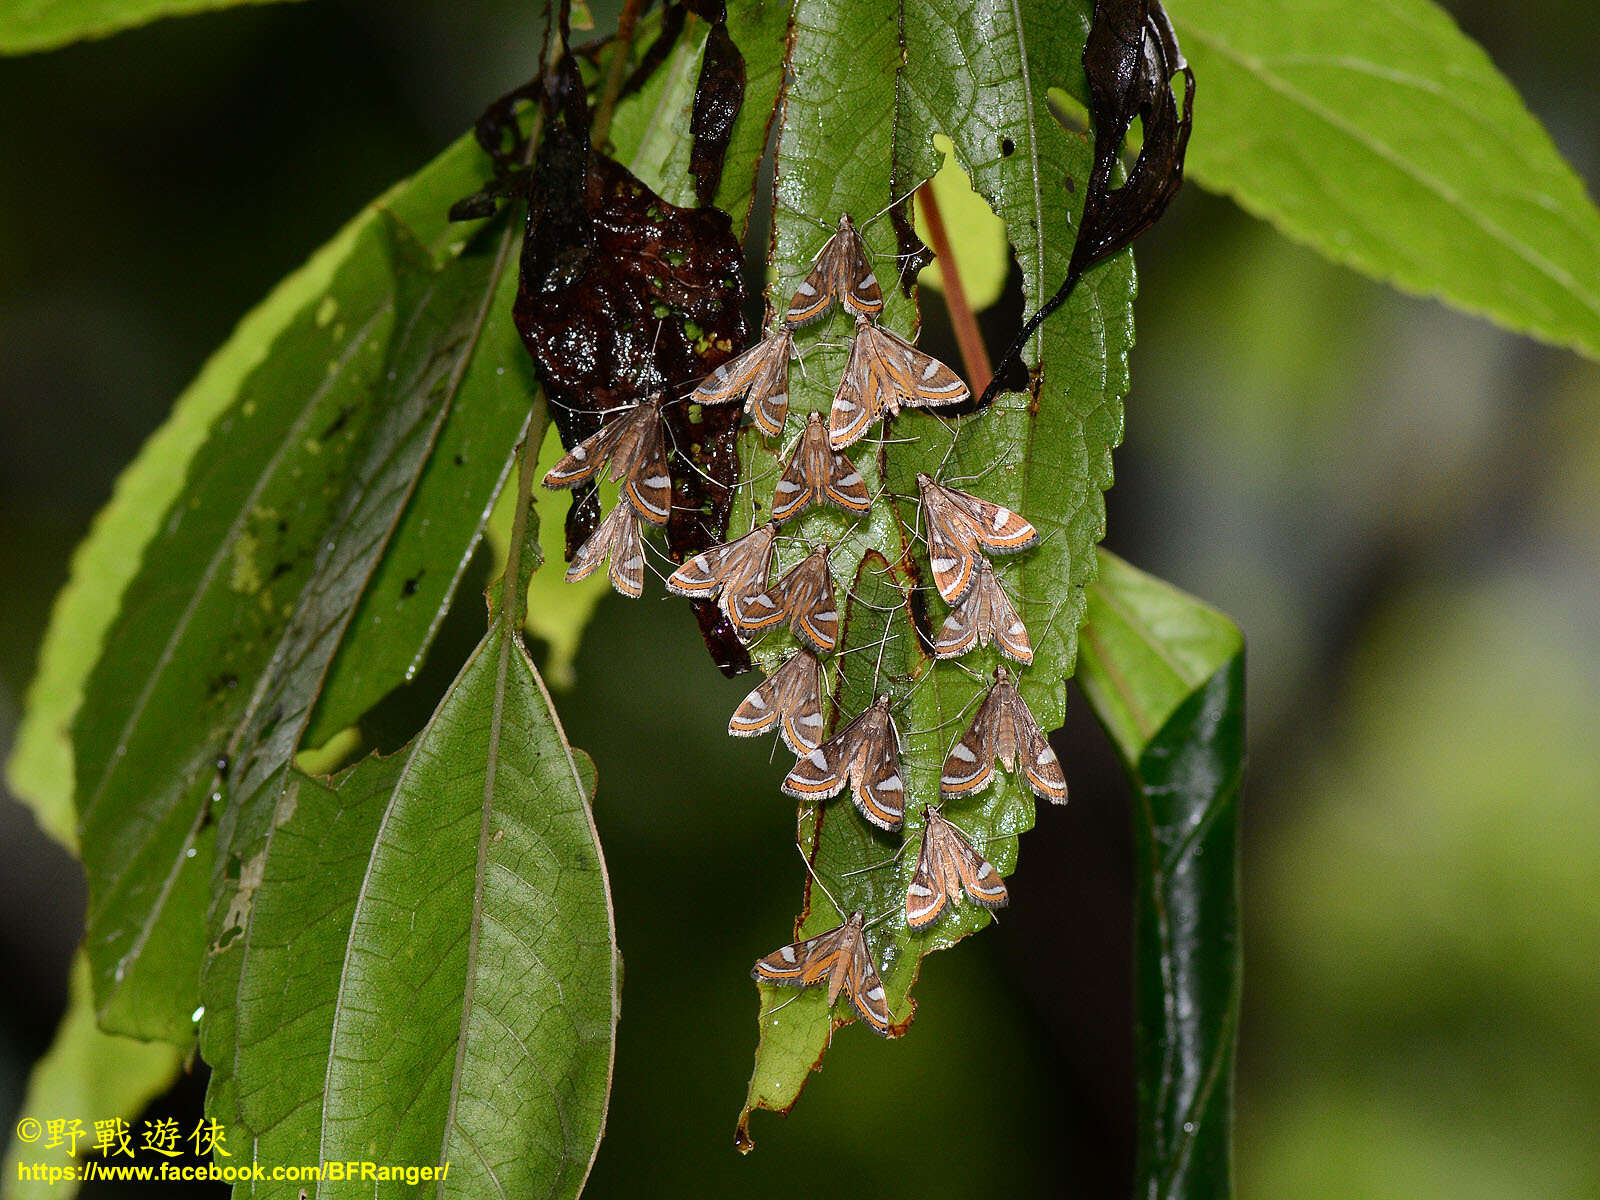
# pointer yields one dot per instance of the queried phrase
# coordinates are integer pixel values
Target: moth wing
(732, 566)
(815, 295)
(698, 577)
(649, 484)
(801, 964)
(952, 551)
(586, 559)
(923, 381)
(843, 485)
(879, 789)
(580, 463)
(865, 989)
(616, 537)
(859, 400)
(759, 711)
(797, 486)
(1020, 744)
(734, 377)
(959, 633)
(995, 526)
(753, 611)
(979, 878)
(799, 696)
(926, 897)
(813, 612)
(934, 384)
(816, 775)
(970, 764)
(1006, 626)
(1043, 769)
(769, 390)
(627, 555)
(853, 279)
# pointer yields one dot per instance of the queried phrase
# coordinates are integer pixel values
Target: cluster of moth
(882, 374)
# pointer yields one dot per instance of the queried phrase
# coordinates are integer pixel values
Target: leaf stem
(622, 48)
(514, 591)
(974, 355)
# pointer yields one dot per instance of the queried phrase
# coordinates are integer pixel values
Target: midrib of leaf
(513, 603)
(1031, 124)
(962, 76)
(1259, 68)
(272, 775)
(224, 548)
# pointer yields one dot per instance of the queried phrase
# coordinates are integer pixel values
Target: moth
(840, 959)
(818, 474)
(866, 755)
(841, 272)
(986, 615)
(947, 865)
(960, 526)
(635, 444)
(761, 375)
(803, 597)
(733, 572)
(791, 699)
(616, 537)
(1003, 730)
(886, 372)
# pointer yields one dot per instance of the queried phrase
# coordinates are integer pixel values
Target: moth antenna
(777, 1008)
(890, 205)
(880, 918)
(812, 871)
(858, 649)
(960, 714)
(961, 666)
(886, 441)
(878, 866)
(817, 221)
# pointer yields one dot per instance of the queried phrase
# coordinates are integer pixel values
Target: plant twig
(616, 71)
(974, 355)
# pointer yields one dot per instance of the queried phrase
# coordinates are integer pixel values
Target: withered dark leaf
(622, 295)
(914, 254)
(1131, 59)
(718, 95)
(656, 54)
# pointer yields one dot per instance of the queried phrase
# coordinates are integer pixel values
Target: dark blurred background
(1397, 504)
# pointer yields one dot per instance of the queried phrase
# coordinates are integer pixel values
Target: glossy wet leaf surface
(1384, 137)
(1046, 454)
(443, 919)
(1165, 674)
(31, 25)
(295, 492)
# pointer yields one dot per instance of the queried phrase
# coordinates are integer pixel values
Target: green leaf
(243, 595)
(40, 770)
(651, 129)
(431, 359)
(415, 584)
(88, 1073)
(973, 73)
(1384, 137)
(984, 258)
(430, 973)
(1165, 674)
(29, 25)
(1147, 649)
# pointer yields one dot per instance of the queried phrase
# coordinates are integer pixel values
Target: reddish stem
(974, 355)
